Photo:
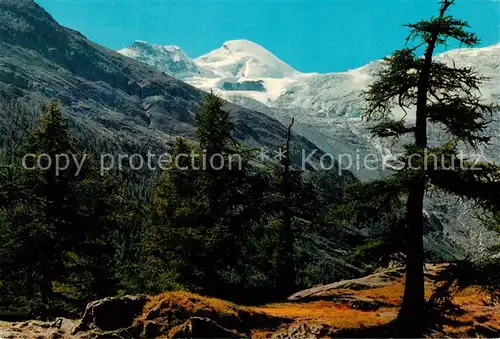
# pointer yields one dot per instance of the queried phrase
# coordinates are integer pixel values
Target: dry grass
(190, 303)
(174, 308)
(169, 311)
(477, 320)
(342, 312)
(337, 313)
(337, 316)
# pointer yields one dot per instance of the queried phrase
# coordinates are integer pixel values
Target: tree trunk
(412, 314)
(286, 263)
(46, 294)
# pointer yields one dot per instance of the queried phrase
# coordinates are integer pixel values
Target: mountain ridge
(291, 88)
(114, 96)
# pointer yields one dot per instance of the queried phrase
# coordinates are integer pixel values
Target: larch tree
(442, 94)
(286, 270)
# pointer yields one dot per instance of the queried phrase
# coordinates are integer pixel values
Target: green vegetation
(72, 236)
(56, 229)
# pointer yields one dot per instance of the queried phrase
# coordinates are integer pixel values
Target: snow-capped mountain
(245, 59)
(244, 68)
(169, 59)
(236, 58)
(340, 94)
(332, 94)
(327, 109)
(239, 66)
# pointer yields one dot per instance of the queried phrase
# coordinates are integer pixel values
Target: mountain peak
(30, 12)
(19, 3)
(25, 16)
(170, 59)
(243, 45)
(145, 44)
(244, 58)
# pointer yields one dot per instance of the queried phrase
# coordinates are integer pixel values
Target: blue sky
(310, 35)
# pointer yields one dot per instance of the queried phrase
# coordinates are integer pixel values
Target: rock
(369, 282)
(303, 331)
(9, 333)
(60, 328)
(196, 327)
(131, 332)
(111, 313)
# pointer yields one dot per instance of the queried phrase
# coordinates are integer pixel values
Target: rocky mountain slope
(328, 106)
(331, 94)
(111, 97)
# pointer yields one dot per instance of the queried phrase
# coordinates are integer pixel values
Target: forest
(258, 231)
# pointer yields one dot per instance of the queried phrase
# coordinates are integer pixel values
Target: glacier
(327, 110)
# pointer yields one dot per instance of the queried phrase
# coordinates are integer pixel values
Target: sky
(310, 35)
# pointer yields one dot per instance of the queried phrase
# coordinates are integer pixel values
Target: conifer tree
(286, 269)
(176, 226)
(230, 192)
(205, 210)
(214, 125)
(214, 134)
(57, 232)
(51, 196)
(443, 94)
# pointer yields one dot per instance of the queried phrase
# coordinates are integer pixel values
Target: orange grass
(339, 316)
(335, 315)
(192, 302)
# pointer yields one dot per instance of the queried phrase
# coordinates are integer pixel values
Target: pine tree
(53, 203)
(443, 94)
(57, 232)
(191, 202)
(176, 225)
(205, 211)
(286, 269)
(215, 127)
(214, 134)
(222, 187)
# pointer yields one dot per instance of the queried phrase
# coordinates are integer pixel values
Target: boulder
(372, 281)
(112, 313)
